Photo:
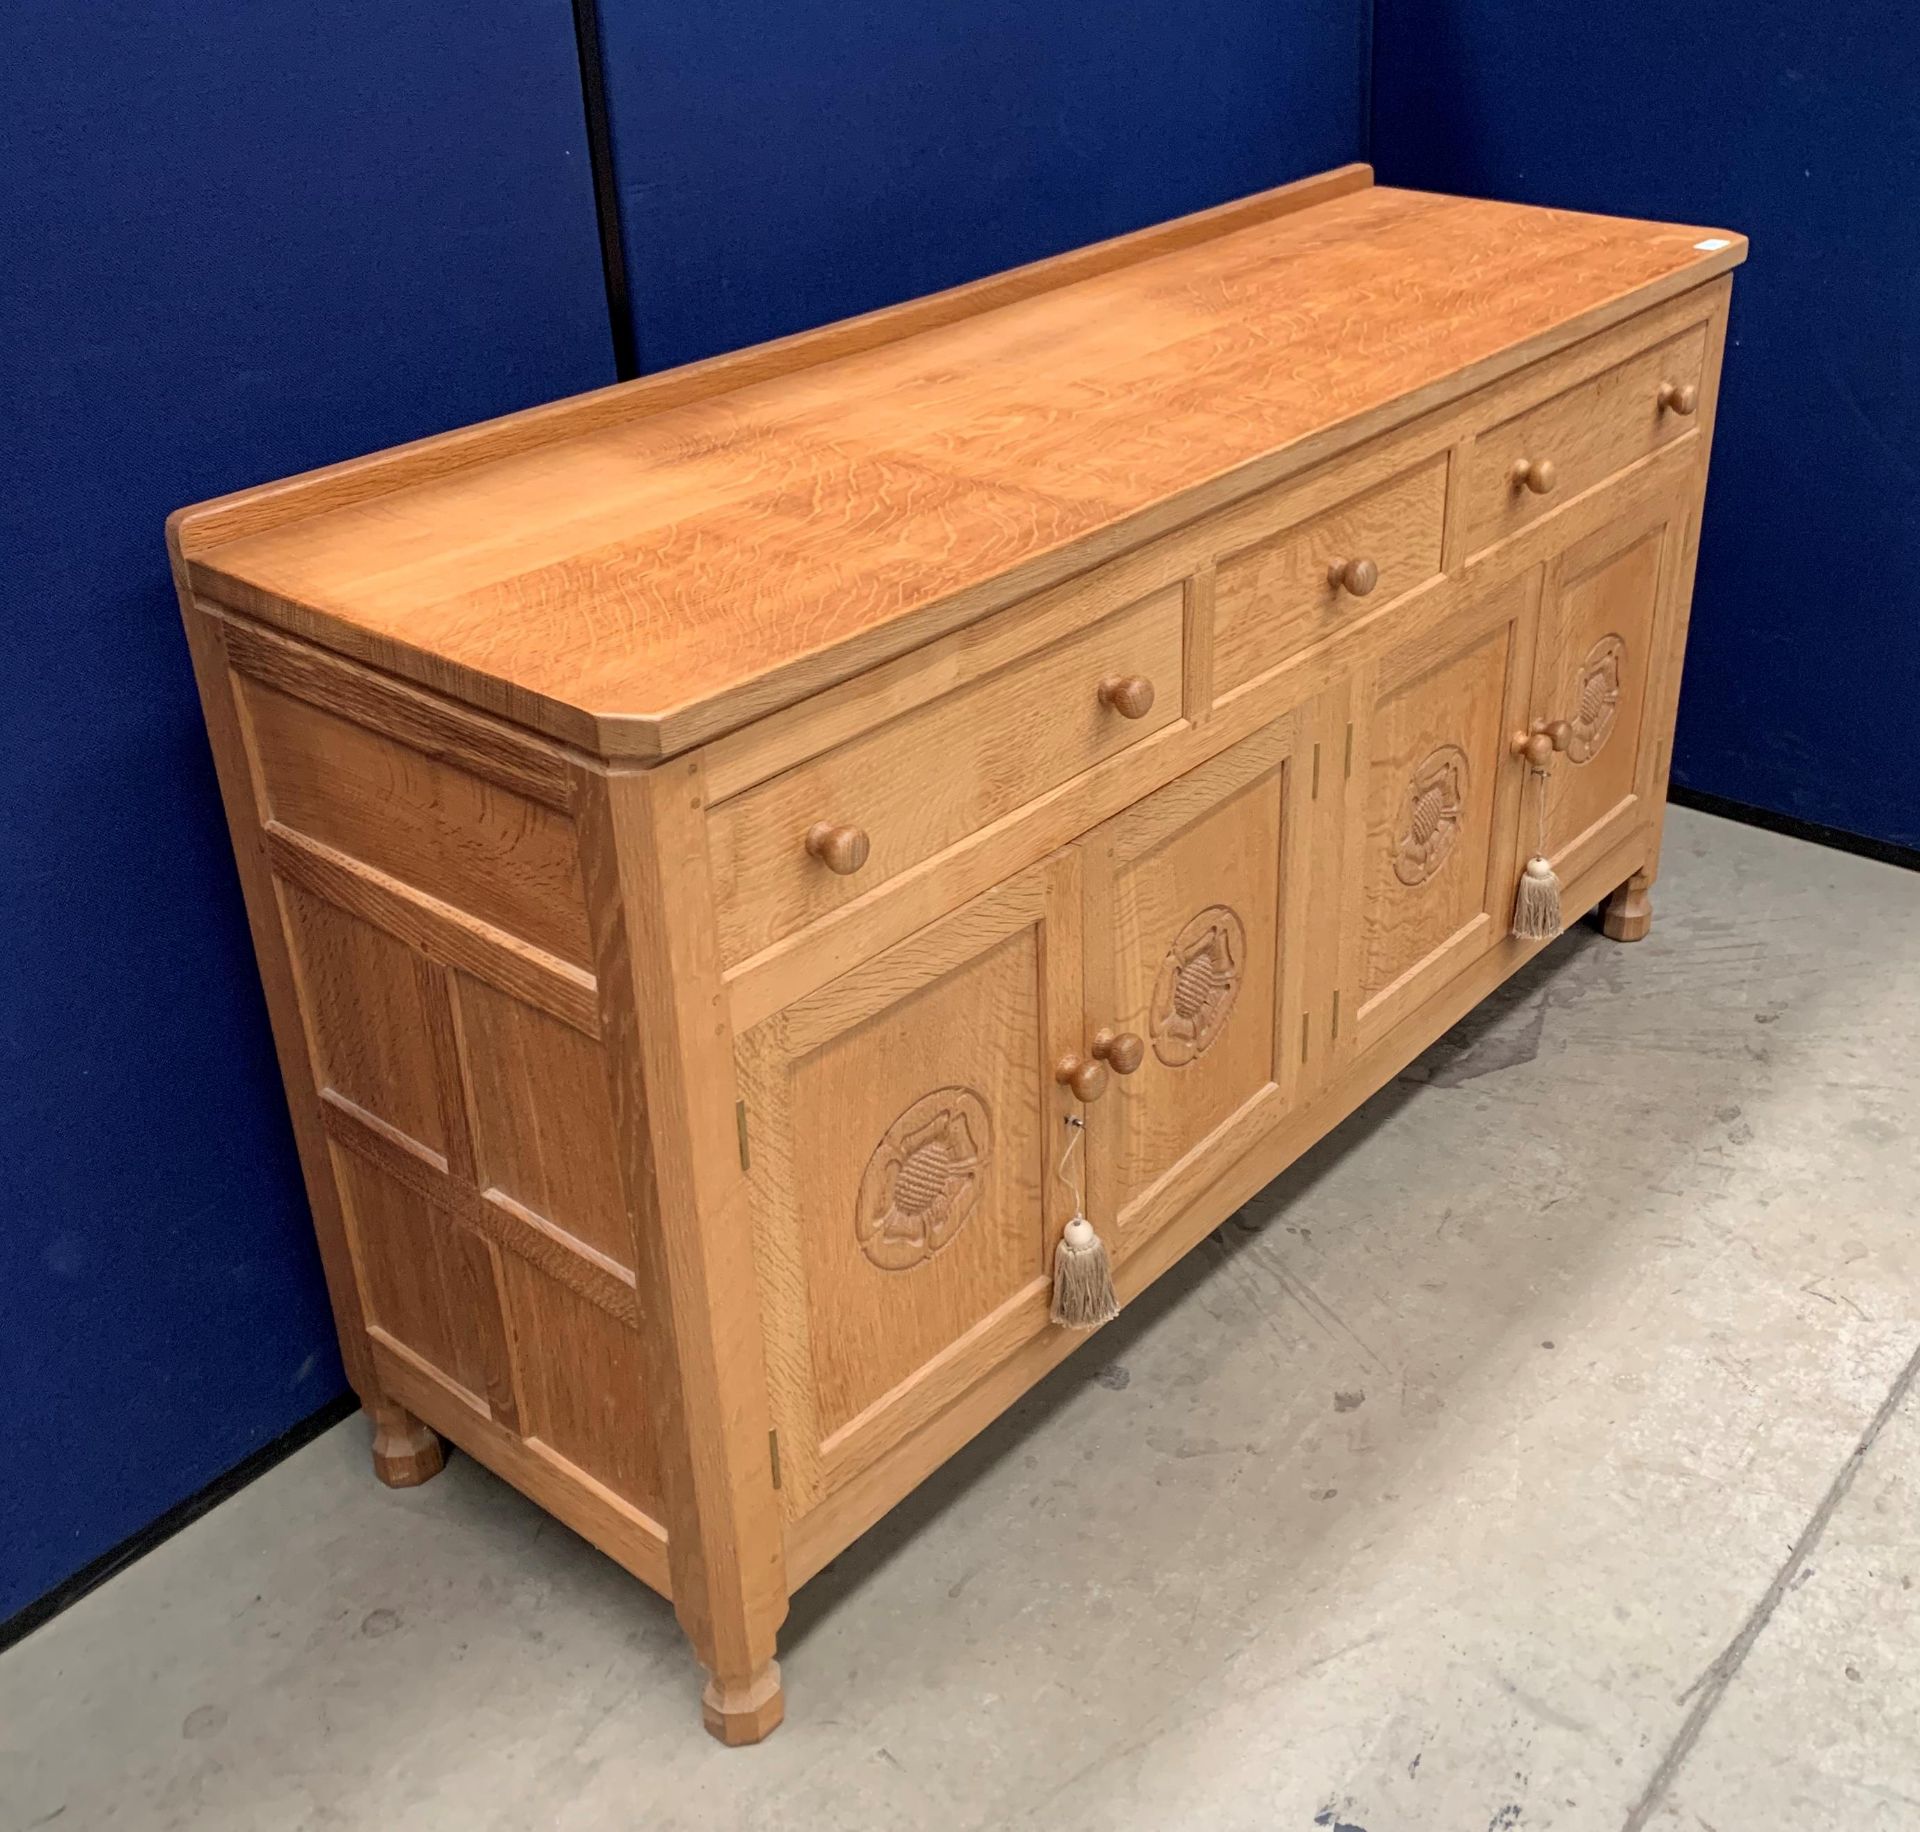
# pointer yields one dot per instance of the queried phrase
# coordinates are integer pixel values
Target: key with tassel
(1536, 906)
(1083, 1295)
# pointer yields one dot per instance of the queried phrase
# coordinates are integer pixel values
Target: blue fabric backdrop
(1799, 125)
(784, 165)
(238, 241)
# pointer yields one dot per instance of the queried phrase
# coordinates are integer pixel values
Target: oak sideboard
(715, 846)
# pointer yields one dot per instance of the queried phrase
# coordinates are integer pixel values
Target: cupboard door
(1432, 856)
(902, 1126)
(1603, 637)
(1195, 906)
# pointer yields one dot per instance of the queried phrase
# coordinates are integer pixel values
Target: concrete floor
(1538, 1453)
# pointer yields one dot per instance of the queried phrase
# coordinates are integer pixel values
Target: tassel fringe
(1536, 911)
(1082, 1279)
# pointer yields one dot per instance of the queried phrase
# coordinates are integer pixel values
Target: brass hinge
(740, 1125)
(773, 1455)
(1316, 773)
(1334, 1035)
(1306, 1033)
(1349, 750)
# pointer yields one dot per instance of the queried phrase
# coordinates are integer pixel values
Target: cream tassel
(1082, 1279)
(1082, 1275)
(1536, 910)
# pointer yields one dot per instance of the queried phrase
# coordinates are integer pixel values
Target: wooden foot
(747, 1712)
(405, 1452)
(1627, 914)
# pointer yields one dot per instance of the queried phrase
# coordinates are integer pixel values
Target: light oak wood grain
(1215, 848)
(625, 1533)
(247, 512)
(934, 776)
(1109, 695)
(1436, 716)
(426, 723)
(439, 931)
(819, 1536)
(506, 1224)
(1275, 597)
(239, 795)
(1602, 635)
(865, 1340)
(406, 1452)
(542, 1118)
(643, 585)
(465, 842)
(664, 1019)
(1586, 435)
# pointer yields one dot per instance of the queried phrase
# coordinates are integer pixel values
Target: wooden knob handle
(839, 849)
(1538, 746)
(1130, 695)
(1122, 1051)
(1680, 397)
(1082, 1076)
(1535, 474)
(1356, 576)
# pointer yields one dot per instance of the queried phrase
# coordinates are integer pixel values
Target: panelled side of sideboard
(414, 879)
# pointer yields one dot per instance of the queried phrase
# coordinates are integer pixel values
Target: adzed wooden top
(641, 569)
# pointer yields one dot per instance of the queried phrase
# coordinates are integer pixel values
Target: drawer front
(901, 793)
(1582, 437)
(1291, 589)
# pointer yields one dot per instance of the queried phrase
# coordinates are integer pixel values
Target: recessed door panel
(903, 1124)
(1436, 804)
(1601, 629)
(1192, 903)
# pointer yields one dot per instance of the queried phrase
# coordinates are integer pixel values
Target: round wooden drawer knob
(1082, 1076)
(1130, 695)
(1539, 745)
(839, 849)
(1535, 474)
(1356, 576)
(1679, 397)
(1122, 1051)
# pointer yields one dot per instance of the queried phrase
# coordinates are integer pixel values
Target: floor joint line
(1712, 1685)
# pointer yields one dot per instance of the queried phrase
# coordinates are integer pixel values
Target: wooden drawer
(918, 784)
(1274, 597)
(1581, 437)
